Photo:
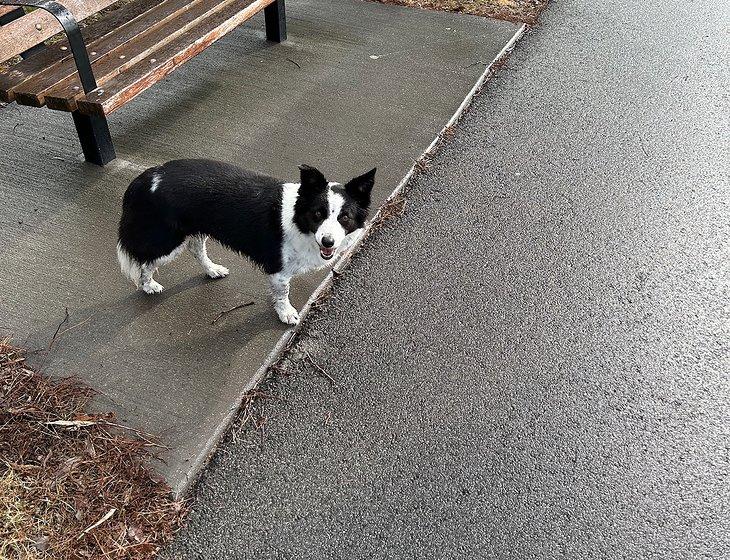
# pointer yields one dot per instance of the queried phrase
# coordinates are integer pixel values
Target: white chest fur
(299, 252)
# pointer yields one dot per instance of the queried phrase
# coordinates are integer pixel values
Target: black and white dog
(285, 228)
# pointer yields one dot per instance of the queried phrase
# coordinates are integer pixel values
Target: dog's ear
(311, 178)
(360, 187)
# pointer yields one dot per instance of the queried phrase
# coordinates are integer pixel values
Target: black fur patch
(238, 208)
(357, 201)
(312, 205)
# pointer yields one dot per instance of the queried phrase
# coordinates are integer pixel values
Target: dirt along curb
(516, 11)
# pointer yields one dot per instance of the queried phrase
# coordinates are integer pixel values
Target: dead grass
(15, 516)
(73, 485)
(525, 11)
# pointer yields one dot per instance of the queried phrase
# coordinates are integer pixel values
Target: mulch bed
(73, 485)
(522, 11)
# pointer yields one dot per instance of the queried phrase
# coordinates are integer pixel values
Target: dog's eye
(345, 218)
(319, 214)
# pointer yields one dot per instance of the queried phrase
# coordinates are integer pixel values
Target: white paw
(287, 314)
(217, 271)
(152, 287)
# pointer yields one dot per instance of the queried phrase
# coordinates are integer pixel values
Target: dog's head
(331, 211)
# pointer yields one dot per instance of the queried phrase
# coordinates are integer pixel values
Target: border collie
(286, 229)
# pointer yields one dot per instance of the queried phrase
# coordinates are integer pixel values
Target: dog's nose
(328, 242)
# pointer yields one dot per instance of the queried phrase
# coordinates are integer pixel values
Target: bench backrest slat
(154, 28)
(6, 10)
(47, 58)
(20, 35)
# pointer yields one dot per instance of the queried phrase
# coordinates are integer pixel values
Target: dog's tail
(129, 265)
(136, 201)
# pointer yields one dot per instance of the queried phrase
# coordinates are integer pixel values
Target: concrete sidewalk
(358, 84)
(532, 363)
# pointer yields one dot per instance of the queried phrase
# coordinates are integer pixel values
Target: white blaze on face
(331, 229)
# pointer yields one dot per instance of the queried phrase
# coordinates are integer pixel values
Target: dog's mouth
(327, 252)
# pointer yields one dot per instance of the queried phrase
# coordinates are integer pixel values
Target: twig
(72, 327)
(294, 63)
(72, 423)
(318, 367)
(65, 320)
(107, 515)
(261, 426)
(140, 434)
(104, 552)
(641, 143)
(222, 313)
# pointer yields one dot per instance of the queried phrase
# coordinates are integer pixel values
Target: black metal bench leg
(275, 14)
(95, 138)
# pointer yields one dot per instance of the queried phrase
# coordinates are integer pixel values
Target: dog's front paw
(152, 287)
(288, 314)
(217, 271)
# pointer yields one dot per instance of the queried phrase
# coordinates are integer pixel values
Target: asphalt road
(532, 362)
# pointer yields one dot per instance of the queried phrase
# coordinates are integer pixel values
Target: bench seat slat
(63, 95)
(127, 85)
(120, 90)
(59, 54)
(32, 92)
(26, 32)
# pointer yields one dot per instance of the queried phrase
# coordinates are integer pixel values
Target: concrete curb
(199, 462)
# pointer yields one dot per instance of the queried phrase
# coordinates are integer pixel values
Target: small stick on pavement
(227, 311)
(65, 320)
(261, 426)
(144, 436)
(72, 327)
(641, 143)
(318, 367)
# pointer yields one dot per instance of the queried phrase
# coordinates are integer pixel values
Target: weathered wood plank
(63, 95)
(50, 58)
(32, 91)
(7, 9)
(22, 34)
(126, 86)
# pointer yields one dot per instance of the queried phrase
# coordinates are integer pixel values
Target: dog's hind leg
(196, 244)
(146, 282)
(280, 293)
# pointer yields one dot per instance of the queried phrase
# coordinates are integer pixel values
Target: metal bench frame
(93, 130)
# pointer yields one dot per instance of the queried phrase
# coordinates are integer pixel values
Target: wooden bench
(118, 55)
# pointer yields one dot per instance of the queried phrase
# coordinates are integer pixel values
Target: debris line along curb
(289, 336)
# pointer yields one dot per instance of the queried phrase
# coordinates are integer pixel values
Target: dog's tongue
(327, 252)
